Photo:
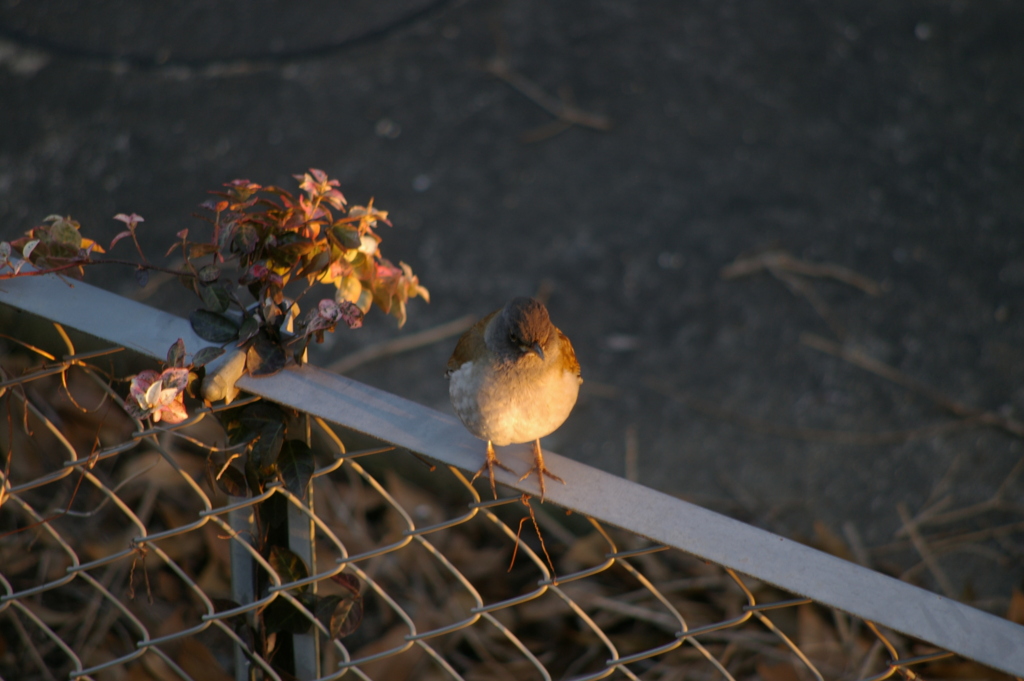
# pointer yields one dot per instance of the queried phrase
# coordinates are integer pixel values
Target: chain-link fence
(123, 557)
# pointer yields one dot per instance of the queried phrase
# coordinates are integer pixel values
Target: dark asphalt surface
(885, 138)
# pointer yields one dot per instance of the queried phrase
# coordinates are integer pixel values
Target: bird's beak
(535, 348)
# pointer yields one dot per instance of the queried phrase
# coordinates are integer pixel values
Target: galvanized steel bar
(787, 564)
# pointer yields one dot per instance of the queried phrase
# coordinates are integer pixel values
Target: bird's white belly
(503, 410)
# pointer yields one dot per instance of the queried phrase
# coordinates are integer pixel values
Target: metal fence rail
(85, 527)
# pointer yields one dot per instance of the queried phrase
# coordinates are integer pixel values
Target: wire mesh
(117, 548)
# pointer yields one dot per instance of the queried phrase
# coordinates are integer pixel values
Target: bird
(514, 378)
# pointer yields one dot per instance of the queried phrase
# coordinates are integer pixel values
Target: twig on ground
(943, 542)
(966, 537)
(566, 113)
(790, 271)
(780, 260)
(30, 646)
(856, 544)
(922, 548)
(858, 358)
(801, 287)
(400, 345)
(660, 620)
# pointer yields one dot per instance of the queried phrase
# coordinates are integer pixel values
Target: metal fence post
(243, 584)
(301, 533)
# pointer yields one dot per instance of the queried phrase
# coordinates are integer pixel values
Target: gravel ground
(882, 138)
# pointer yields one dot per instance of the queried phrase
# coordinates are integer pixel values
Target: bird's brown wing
(470, 345)
(569, 355)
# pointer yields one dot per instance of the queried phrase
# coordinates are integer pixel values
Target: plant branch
(82, 263)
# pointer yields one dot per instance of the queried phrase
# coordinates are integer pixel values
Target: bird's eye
(515, 339)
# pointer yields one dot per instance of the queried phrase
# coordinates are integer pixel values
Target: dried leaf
(829, 541)
(812, 629)
(1015, 613)
(780, 671)
(199, 250)
(199, 662)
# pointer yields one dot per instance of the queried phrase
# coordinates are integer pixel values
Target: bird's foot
(489, 464)
(541, 470)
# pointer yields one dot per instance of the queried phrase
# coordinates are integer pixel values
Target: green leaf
(341, 615)
(348, 612)
(255, 417)
(65, 232)
(238, 434)
(176, 354)
(199, 250)
(288, 566)
(348, 581)
(246, 238)
(347, 236)
(291, 245)
(266, 420)
(189, 283)
(266, 449)
(296, 465)
(209, 274)
(206, 355)
(213, 327)
(255, 479)
(317, 264)
(215, 297)
(265, 357)
(281, 616)
(231, 482)
(250, 327)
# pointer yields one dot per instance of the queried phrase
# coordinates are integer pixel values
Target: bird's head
(525, 327)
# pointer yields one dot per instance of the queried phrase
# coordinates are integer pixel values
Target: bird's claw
(541, 470)
(489, 464)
